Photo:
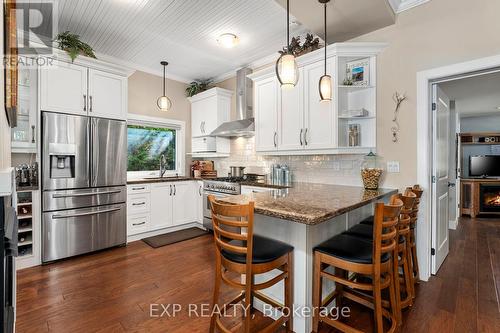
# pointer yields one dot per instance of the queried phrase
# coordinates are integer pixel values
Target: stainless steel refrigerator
(84, 176)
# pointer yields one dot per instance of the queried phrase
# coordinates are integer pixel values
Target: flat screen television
(484, 166)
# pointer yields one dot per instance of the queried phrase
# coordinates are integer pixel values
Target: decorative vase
(371, 172)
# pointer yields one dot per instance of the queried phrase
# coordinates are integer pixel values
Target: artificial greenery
(197, 87)
(72, 44)
(310, 44)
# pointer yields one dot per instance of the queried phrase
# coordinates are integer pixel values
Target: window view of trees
(147, 144)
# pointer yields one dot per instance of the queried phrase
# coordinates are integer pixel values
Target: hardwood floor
(111, 291)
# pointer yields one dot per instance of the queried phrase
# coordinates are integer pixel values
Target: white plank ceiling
(183, 32)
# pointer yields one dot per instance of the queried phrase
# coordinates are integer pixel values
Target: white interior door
(440, 183)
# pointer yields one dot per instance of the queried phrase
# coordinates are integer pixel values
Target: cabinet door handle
(274, 139)
(90, 103)
(138, 188)
(136, 224)
(170, 190)
(199, 190)
(175, 190)
(201, 127)
(300, 136)
(305, 137)
(32, 133)
(138, 203)
(84, 102)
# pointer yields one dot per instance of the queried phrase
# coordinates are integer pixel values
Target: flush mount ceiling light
(325, 82)
(228, 40)
(287, 70)
(164, 102)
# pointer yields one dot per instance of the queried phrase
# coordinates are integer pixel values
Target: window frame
(179, 126)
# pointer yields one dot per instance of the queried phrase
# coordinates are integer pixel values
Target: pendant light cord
(164, 75)
(288, 25)
(326, 43)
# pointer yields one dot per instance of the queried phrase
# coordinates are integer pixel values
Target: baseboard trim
(452, 224)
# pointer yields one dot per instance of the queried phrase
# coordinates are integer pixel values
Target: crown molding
(399, 6)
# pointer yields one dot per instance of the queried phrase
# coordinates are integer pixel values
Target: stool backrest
(229, 221)
(385, 222)
(418, 192)
(408, 198)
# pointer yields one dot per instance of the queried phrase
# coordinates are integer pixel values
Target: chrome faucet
(163, 165)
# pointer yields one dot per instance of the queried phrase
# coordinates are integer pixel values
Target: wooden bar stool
(354, 259)
(248, 254)
(413, 224)
(402, 256)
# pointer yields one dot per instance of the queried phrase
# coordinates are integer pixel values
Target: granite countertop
(310, 203)
(158, 180)
(263, 184)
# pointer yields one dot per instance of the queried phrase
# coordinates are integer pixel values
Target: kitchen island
(303, 216)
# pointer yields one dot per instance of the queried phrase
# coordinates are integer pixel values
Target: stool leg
(289, 293)
(408, 272)
(215, 300)
(397, 289)
(377, 300)
(316, 296)
(248, 302)
(395, 304)
(414, 257)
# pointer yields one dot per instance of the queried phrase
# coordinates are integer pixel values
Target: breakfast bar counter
(303, 216)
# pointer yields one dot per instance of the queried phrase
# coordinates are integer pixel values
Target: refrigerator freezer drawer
(73, 232)
(73, 199)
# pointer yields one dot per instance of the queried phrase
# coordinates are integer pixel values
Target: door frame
(425, 79)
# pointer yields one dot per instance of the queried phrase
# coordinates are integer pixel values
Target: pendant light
(325, 82)
(164, 102)
(286, 66)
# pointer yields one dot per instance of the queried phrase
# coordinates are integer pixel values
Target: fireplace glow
(493, 200)
(490, 198)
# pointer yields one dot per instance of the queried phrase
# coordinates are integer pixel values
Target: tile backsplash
(329, 169)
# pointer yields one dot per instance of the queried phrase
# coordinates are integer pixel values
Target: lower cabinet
(162, 205)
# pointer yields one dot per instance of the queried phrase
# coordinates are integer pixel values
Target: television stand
(479, 196)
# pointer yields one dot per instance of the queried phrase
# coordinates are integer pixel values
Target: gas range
(228, 185)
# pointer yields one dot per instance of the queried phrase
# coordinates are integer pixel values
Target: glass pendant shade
(164, 103)
(325, 88)
(287, 71)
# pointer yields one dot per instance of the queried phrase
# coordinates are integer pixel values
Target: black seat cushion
(361, 230)
(264, 250)
(349, 248)
(365, 231)
(368, 220)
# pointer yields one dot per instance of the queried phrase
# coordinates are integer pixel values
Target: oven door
(207, 214)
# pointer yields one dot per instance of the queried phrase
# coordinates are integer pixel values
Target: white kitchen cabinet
(291, 127)
(185, 209)
(161, 205)
(296, 122)
(157, 206)
(76, 89)
(107, 95)
(209, 109)
(319, 116)
(266, 103)
(63, 88)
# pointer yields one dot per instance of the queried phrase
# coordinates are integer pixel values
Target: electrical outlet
(393, 166)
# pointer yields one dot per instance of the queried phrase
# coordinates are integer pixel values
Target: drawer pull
(138, 188)
(136, 224)
(138, 203)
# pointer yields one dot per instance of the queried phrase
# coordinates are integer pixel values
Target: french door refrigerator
(84, 176)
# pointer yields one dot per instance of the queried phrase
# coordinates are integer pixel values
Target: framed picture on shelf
(358, 72)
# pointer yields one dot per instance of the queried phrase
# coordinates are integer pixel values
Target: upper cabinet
(77, 89)
(24, 138)
(296, 122)
(209, 109)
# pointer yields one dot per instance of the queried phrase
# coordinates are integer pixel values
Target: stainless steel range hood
(244, 124)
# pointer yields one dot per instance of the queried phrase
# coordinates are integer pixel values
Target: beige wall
(438, 33)
(143, 91)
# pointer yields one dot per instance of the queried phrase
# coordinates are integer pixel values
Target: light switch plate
(393, 166)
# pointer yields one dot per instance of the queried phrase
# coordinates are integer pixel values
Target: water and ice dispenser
(62, 160)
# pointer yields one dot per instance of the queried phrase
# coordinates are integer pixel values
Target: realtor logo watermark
(36, 27)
